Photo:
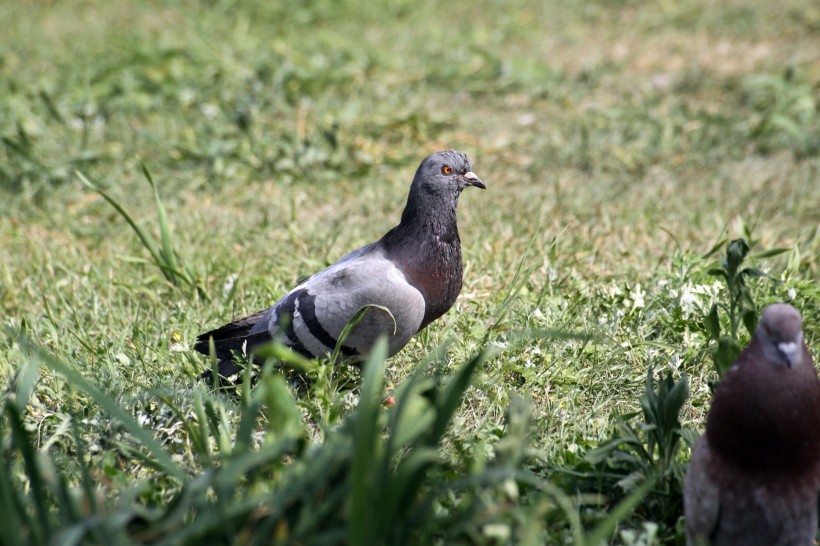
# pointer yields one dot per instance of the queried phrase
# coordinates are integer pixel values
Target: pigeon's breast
(438, 279)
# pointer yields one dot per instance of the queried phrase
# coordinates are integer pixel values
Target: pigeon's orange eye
(446, 169)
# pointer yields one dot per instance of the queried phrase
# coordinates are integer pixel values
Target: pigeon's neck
(427, 248)
(765, 419)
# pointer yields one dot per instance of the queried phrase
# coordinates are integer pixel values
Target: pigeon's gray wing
(701, 498)
(310, 318)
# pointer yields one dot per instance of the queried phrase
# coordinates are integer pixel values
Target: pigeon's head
(780, 330)
(446, 172)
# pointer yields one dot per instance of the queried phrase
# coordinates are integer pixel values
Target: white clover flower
(613, 290)
(526, 119)
(675, 362)
(228, 285)
(498, 344)
(638, 298)
(694, 298)
(209, 110)
(122, 358)
(349, 400)
(186, 96)
(688, 298)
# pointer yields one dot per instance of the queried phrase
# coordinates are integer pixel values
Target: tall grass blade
(287, 419)
(519, 280)
(143, 236)
(363, 522)
(41, 530)
(450, 399)
(167, 253)
(13, 517)
(351, 324)
(24, 383)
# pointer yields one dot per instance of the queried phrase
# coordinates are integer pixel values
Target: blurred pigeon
(754, 478)
(407, 279)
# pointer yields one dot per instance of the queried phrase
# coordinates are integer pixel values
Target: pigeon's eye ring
(446, 169)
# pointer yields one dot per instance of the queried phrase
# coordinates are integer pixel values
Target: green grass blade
(161, 456)
(167, 253)
(407, 481)
(13, 517)
(364, 523)
(196, 435)
(24, 382)
(247, 425)
(203, 428)
(450, 399)
(235, 468)
(519, 280)
(405, 431)
(281, 404)
(89, 498)
(141, 233)
(41, 530)
(351, 324)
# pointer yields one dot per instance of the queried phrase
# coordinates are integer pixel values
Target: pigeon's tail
(233, 337)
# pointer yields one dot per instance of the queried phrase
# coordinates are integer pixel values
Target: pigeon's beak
(472, 180)
(790, 352)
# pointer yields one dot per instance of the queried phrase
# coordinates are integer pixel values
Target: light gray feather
(338, 292)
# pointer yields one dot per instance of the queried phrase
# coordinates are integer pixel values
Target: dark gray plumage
(414, 271)
(754, 478)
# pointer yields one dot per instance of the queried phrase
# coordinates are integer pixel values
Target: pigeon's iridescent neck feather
(427, 249)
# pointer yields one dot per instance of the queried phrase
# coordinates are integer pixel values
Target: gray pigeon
(409, 278)
(754, 478)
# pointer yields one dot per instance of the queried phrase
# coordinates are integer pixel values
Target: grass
(621, 143)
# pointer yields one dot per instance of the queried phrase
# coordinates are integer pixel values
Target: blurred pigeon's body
(410, 277)
(754, 478)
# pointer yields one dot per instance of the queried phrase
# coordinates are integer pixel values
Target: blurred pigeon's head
(446, 172)
(780, 331)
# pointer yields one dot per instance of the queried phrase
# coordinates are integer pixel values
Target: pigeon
(405, 280)
(754, 478)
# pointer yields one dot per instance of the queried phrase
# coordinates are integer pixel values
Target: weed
(650, 450)
(164, 255)
(740, 308)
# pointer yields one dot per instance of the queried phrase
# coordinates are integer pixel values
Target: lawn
(624, 144)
